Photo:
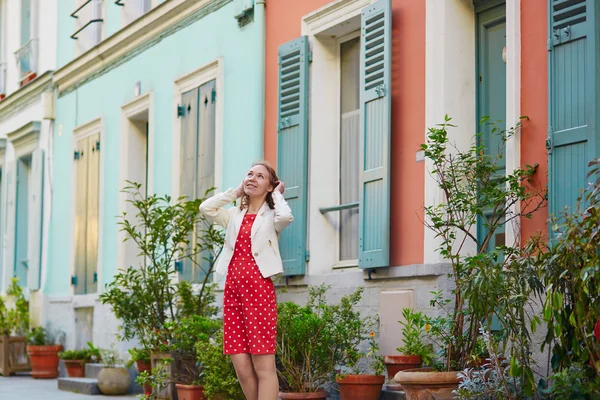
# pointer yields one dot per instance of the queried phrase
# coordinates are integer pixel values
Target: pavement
(23, 387)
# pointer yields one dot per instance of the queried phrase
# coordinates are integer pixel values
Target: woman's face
(258, 182)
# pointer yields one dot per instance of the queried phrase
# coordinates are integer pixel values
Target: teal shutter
(375, 133)
(37, 214)
(292, 149)
(572, 99)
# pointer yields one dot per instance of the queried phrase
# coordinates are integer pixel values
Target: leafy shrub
(315, 339)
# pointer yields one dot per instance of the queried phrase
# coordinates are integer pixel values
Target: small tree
(146, 298)
(493, 281)
(572, 278)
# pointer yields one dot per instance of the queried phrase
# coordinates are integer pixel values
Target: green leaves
(147, 298)
(314, 340)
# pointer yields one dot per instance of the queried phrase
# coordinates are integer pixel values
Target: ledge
(407, 272)
(26, 94)
(25, 136)
(141, 34)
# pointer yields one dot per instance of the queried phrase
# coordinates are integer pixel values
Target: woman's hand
(280, 186)
(239, 192)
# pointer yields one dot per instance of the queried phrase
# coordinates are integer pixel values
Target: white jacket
(264, 235)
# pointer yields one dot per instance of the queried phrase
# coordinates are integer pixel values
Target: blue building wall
(214, 35)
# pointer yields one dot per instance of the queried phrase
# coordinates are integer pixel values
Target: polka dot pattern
(249, 304)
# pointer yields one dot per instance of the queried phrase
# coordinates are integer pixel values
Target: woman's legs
(257, 375)
(266, 372)
(246, 375)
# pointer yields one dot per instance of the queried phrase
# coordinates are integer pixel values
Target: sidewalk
(27, 388)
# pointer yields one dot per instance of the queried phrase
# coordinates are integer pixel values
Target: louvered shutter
(375, 133)
(573, 70)
(292, 149)
(36, 202)
(93, 200)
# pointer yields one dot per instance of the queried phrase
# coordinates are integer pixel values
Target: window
(2, 47)
(26, 55)
(88, 24)
(87, 171)
(349, 145)
(134, 9)
(349, 60)
(197, 168)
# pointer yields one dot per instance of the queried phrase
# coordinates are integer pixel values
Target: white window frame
(140, 104)
(85, 35)
(338, 132)
(132, 10)
(211, 71)
(82, 131)
(339, 19)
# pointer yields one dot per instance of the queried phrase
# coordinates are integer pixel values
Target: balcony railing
(27, 60)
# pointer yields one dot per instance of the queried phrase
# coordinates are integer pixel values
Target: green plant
(490, 281)
(14, 311)
(136, 354)
(186, 334)
(39, 336)
(94, 352)
(413, 332)
(110, 358)
(158, 379)
(219, 379)
(146, 298)
(75, 355)
(315, 339)
(576, 382)
(572, 278)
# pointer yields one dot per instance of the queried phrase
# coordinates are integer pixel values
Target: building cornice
(27, 134)
(26, 95)
(163, 20)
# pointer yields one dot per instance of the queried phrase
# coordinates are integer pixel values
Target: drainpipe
(260, 21)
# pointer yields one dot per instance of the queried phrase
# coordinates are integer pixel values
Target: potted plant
(219, 378)
(312, 341)
(141, 358)
(358, 385)
(14, 324)
(186, 334)
(491, 280)
(414, 351)
(43, 353)
(74, 361)
(112, 378)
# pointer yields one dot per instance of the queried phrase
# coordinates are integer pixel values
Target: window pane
(349, 140)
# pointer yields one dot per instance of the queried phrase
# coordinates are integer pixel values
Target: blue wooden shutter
(292, 149)
(375, 133)
(572, 99)
(36, 196)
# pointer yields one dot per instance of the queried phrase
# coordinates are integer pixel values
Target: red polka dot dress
(249, 304)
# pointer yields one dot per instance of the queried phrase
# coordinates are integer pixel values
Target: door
(491, 93)
(21, 266)
(573, 106)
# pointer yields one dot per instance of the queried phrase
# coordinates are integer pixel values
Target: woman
(249, 258)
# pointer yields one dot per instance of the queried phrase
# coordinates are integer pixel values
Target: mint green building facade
(170, 95)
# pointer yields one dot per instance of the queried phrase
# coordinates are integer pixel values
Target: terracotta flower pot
(190, 392)
(44, 361)
(427, 384)
(75, 368)
(395, 364)
(141, 367)
(360, 387)
(321, 394)
(114, 381)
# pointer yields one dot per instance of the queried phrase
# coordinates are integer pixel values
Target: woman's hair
(273, 182)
